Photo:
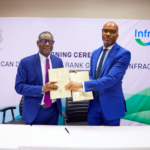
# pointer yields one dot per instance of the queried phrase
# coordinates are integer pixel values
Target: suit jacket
(29, 82)
(109, 83)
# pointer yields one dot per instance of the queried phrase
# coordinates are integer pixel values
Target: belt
(45, 107)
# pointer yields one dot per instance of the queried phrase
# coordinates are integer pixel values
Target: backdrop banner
(75, 40)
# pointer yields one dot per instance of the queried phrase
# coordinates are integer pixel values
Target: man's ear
(37, 43)
(117, 36)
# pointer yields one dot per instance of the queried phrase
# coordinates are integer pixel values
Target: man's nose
(47, 43)
(108, 33)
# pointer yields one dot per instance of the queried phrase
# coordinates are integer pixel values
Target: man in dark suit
(32, 82)
(107, 68)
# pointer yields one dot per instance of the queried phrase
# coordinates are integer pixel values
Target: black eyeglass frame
(51, 42)
(110, 31)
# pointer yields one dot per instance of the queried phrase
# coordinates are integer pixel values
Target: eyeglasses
(105, 31)
(43, 41)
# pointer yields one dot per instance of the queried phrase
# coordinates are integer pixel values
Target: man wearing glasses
(32, 82)
(107, 68)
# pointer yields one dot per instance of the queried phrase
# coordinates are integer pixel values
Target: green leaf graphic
(142, 117)
(138, 106)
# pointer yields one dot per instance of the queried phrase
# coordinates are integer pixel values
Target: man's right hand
(50, 86)
(74, 71)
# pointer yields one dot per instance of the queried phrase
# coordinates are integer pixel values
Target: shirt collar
(109, 48)
(43, 58)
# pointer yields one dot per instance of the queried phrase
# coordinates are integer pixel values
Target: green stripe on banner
(145, 92)
(60, 119)
(141, 117)
(138, 107)
(127, 96)
(140, 42)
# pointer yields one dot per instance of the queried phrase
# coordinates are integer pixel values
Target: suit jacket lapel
(96, 56)
(110, 56)
(54, 64)
(37, 64)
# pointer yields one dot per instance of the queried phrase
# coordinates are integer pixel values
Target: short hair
(45, 32)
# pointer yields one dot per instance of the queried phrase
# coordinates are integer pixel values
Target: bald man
(32, 82)
(107, 68)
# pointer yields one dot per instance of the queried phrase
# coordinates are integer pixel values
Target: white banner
(75, 40)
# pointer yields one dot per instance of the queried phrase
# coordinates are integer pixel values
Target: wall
(116, 9)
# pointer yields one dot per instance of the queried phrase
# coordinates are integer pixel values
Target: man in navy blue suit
(108, 65)
(32, 82)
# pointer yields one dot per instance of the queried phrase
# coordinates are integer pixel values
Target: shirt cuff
(42, 90)
(83, 86)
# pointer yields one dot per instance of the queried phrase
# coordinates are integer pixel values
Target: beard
(108, 43)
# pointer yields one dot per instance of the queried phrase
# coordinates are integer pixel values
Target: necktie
(47, 99)
(98, 72)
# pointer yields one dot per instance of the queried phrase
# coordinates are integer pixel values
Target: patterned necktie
(98, 72)
(47, 99)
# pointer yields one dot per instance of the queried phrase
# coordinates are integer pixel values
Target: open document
(60, 75)
(80, 94)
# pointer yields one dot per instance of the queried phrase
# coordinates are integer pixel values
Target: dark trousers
(47, 116)
(96, 117)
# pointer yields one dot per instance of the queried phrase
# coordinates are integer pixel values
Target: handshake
(62, 82)
(72, 85)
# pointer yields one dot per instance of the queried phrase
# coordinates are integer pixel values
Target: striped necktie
(98, 72)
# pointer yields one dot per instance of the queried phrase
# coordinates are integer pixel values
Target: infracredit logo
(141, 34)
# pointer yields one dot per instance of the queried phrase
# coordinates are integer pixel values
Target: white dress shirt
(43, 67)
(106, 54)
